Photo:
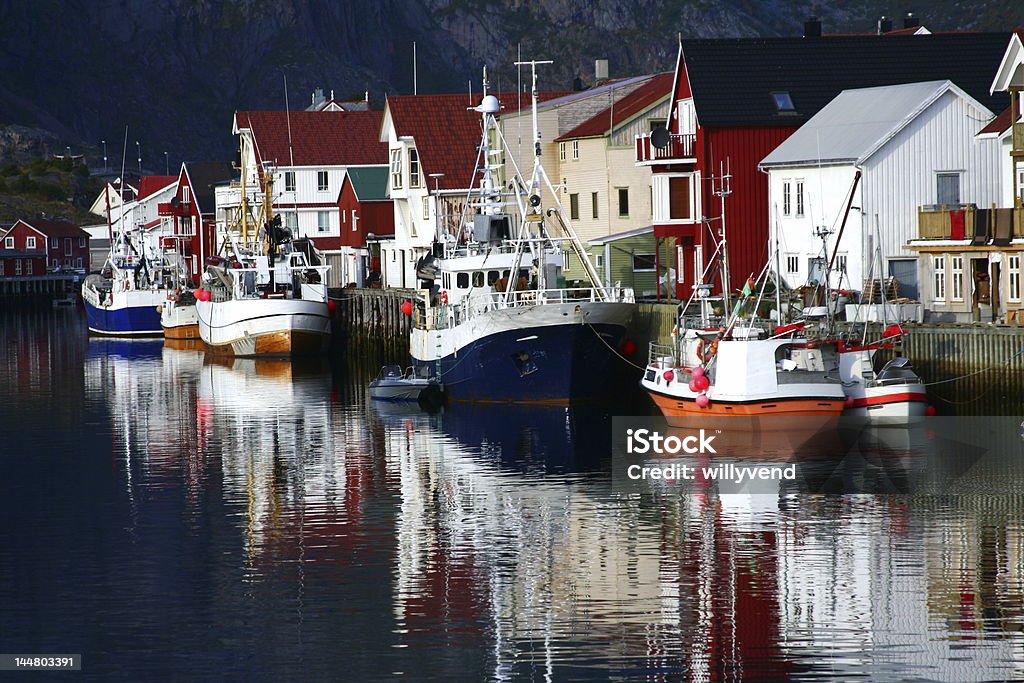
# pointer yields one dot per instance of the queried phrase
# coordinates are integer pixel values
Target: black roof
(732, 80)
(204, 175)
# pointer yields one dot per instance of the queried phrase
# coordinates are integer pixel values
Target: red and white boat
(894, 394)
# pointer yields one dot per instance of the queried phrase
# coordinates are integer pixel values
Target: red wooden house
(364, 207)
(735, 100)
(37, 245)
(189, 217)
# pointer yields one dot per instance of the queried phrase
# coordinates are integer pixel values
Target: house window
(787, 197)
(783, 103)
(623, 202)
(792, 264)
(9, 243)
(939, 278)
(78, 262)
(54, 243)
(947, 189)
(462, 280)
(687, 117)
(599, 261)
(56, 264)
(799, 198)
(679, 198)
(1013, 271)
(565, 260)
(593, 204)
(17, 266)
(575, 150)
(396, 168)
(186, 226)
(414, 168)
(355, 220)
(291, 221)
(426, 208)
(323, 221)
(956, 271)
(574, 207)
(643, 263)
(28, 266)
(289, 181)
(30, 242)
(561, 151)
(81, 243)
(321, 181)
(186, 195)
(841, 263)
(67, 247)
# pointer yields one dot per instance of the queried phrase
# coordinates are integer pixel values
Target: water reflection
(260, 516)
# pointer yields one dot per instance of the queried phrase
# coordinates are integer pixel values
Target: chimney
(911, 21)
(812, 27)
(600, 70)
(884, 25)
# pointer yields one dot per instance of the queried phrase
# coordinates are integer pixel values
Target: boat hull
(264, 327)
(683, 411)
(397, 391)
(133, 313)
(549, 364)
(897, 404)
(179, 321)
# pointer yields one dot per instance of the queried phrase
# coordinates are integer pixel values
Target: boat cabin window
(504, 273)
(478, 279)
(492, 277)
(462, 280)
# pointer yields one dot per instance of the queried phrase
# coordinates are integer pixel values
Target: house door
(905, 272)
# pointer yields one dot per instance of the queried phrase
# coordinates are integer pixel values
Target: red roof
(319, 138)
(999, 124)
(55, 228)
(656, 88)
(150, 184)
(447, 132)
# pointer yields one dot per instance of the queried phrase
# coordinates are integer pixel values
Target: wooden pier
(34, 290)
(371, 313)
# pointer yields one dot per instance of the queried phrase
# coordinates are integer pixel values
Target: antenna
(723, 190)
(288, 120)
(415, 89)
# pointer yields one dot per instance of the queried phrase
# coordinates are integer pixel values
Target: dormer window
(414, 168)
(396, 168)
(783, 103)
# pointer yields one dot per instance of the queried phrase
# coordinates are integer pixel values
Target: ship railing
(662, 357)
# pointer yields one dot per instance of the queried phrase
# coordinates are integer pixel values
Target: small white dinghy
(394, 385)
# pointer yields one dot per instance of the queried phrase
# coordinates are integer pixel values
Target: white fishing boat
(394, 385)
(494, 320)
(178, 316)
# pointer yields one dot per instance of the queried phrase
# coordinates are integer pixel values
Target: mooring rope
(611, 348)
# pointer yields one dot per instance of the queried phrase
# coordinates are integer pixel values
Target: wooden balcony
(967, 222)
(680, 149)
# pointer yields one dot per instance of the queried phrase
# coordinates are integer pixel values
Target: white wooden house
(913, 144)
(307, 153)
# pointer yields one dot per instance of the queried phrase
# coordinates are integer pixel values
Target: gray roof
(636, 232)
(855, 124)
(369, 182)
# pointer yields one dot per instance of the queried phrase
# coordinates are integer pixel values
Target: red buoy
(930, 411)
(628, 347)
(701, 382)
(703, 401)
(697, 372)
(406, 308)
(669, 375)
(332, 305)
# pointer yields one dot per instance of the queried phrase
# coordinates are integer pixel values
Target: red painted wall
(64, 256)
(9, 265)
(746, 209)
(376, 217)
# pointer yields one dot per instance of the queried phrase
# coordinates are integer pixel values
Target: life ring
(444, 297)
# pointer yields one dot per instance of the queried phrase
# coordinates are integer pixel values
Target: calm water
(173, 518)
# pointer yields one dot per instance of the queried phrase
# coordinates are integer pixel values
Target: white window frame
(8, 243)
(30, 242)
(652, 269)
(686, 117)
(323, 221)
(565, 260)
(561, 151)
(28, 266)
(17, 266)
(81, 243)
(186, 196)
(414, 167)
(323, 181)
(426, 208)
(660, 198)
(78, 262)
(939, 278)
(956, 271)
(289, 181)
(291, 221)
(787, 197)
(599, 261)
(575, 150)
(792, 264)
(355, 221)
(841, 262)
(396, 168)
(799, 183)
(1013, 278)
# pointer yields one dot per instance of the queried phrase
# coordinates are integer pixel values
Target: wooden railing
(937, 222)
(680, 146)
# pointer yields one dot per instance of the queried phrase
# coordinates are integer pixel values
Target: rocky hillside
(173, 71)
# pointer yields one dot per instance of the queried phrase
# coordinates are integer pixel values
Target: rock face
(173, 71)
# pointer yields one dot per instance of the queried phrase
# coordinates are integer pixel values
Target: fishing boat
(265, 295)
(123, 299)
(894, 394)
(178, 316)
(494, 320)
